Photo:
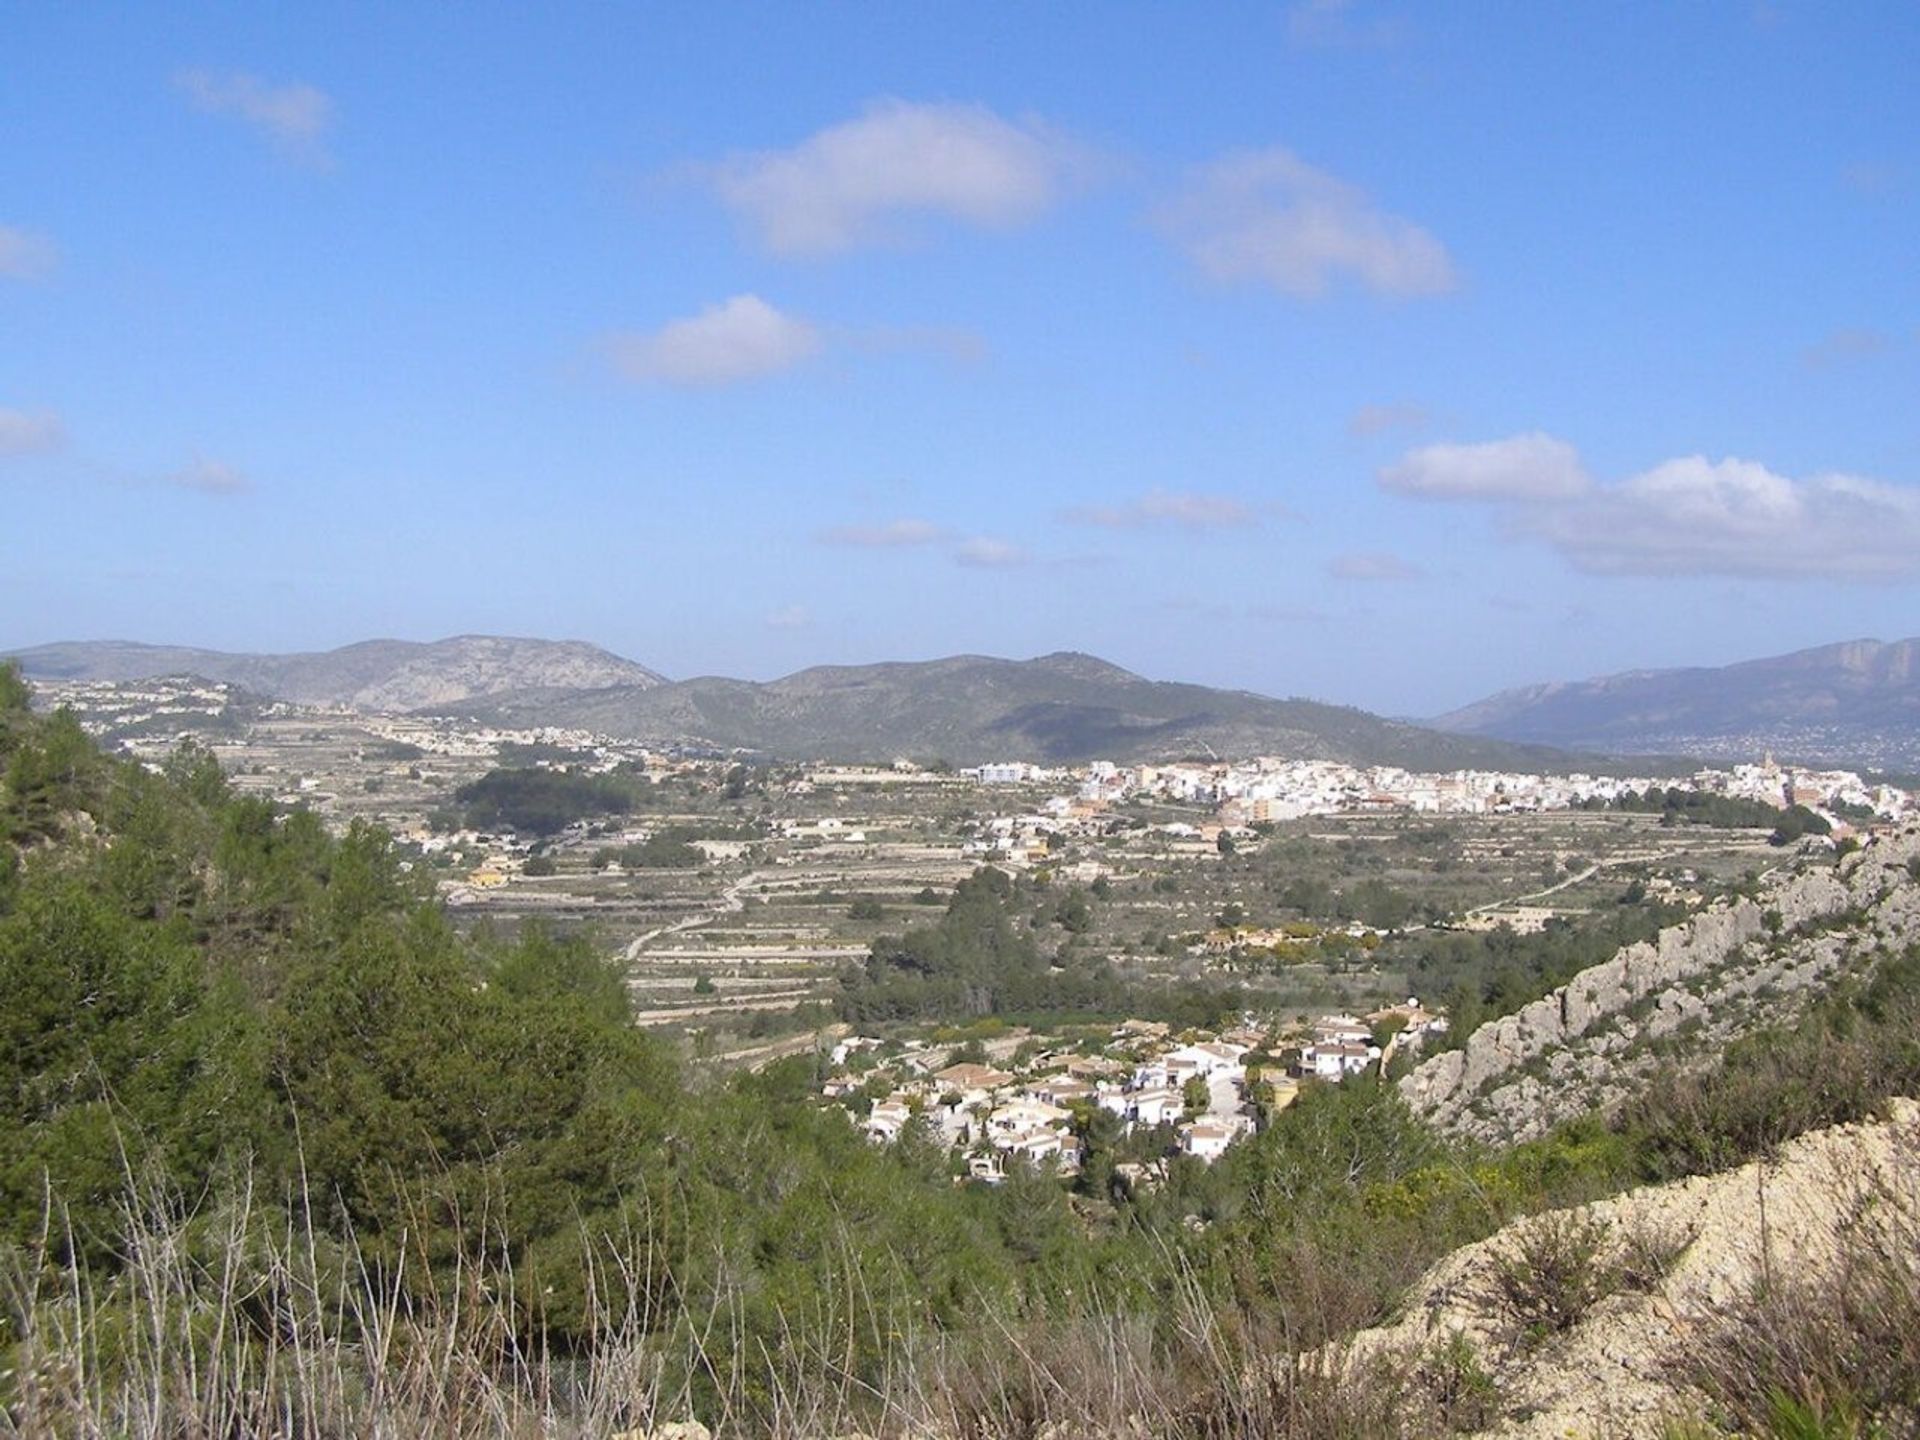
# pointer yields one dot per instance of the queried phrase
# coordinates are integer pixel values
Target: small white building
(1207, 1138)
(1337, 1060)
(1157, 1105)
(887, 1119)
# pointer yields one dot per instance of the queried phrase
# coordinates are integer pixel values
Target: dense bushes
(1677, 806)
(193, 976)
(669, 849)
(541, 802)
(976, 961)
(1840, 1062)
(1796, 822)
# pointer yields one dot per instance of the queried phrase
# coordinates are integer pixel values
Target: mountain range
(970, 708)
(1857, 702)
(966, 708)
(1854, 703)
(381, 675)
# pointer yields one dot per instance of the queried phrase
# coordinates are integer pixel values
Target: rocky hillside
(1666, 1305)
(1731, 968)
(380, 675)
(1857, 703)
(971, 708)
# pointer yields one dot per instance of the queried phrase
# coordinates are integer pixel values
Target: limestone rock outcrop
(1731, 962)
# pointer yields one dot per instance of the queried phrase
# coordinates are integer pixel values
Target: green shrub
(1555, 1274)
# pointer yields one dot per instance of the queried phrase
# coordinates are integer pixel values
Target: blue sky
(1384, 354)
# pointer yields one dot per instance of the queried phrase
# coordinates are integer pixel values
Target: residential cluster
(162, 708)
(1271, 789)
(1206, 1089)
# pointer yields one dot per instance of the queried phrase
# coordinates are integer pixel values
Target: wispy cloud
(1195, 608)
(1371, 420)
(1840, 347)
(743, 338)
(26, 254)
(1288, 614)
(790, 617)
(1685, 516)
(1523, 467)
(961, 346)
(30, 432)
(985, 552)
(1334, 23)
(976, 552)
(852, 183)
(1373, 565)
(888, 535)
(1187, 510)
(209, 477)
(1865, 177)
(294, 117)
(1267, 216)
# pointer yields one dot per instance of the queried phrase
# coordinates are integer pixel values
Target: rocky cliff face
(1738, 964)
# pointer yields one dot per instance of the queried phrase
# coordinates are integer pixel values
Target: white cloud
(1533, 466)
(790, 617)
(845, 185)
(1268, 216)
(24, 432)
(1735, 517)
(983, 552)
(1686, 516)
(294, 117)
(209, 477)
(25, 255)
(891, 535)
(739, 339)
(1373, 565)
(1183, 509)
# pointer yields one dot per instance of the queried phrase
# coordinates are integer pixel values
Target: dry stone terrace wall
(1668, 976)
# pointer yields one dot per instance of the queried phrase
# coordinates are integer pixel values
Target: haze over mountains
(394, 675)
(970, 708)
(965, 709)
(1855, 702)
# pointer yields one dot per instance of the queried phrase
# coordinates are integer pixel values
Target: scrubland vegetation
(283, 1152)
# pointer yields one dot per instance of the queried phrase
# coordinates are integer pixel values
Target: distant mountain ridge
(389, 675)
(1857, 701)
(1059, 708)
(970, 708)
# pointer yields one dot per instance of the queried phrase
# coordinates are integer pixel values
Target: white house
(887, 1119)
(1338, 1060)
(1208, 1059)
(1207, 1139)
(1017, 1117)
(1158, 1105)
